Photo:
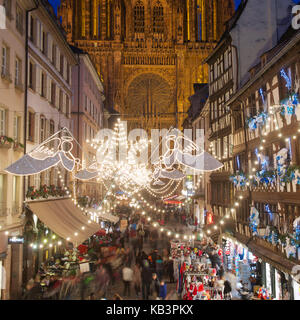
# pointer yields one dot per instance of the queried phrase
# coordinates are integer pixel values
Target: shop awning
(105, 216)
(65, 219)
(274, 259)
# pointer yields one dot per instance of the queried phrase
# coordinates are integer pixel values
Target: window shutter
(27, 125)
(15, 136)
(36, 128)
(50, 47)
(2, 122)
(37, 79)
(56, 97)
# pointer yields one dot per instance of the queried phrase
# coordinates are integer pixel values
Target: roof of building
(270, 54)
(198, 99)
(77, 50)
(230, 24)
(287, 41)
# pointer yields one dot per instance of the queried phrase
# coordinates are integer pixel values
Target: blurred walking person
(127, 274)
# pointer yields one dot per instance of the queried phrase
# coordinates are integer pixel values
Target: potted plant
(6, 142)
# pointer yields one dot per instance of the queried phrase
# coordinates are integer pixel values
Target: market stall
(193, 271)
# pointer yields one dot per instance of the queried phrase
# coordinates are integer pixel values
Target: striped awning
(65, 219)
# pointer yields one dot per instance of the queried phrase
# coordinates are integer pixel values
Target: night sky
(55, 3)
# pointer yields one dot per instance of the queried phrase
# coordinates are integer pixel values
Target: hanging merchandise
(193, 271)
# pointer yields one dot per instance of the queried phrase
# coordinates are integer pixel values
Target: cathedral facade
(149, 53)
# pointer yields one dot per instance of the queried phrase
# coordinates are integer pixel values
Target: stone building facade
(148, 53)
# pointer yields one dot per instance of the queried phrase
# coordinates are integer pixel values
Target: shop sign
(15, 240)
(84, 267)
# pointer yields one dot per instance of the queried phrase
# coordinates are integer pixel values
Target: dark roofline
(77, 50)
(230, 24)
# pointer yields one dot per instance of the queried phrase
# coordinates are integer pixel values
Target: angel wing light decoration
(53, 151)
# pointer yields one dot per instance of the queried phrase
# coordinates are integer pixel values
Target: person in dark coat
(170, 270)
(154, 290)
(146, 280)
(227, 290)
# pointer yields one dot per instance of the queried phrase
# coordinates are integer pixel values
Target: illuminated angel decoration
(202, 161)
(44, 156)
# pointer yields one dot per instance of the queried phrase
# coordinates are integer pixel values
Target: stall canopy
(105, 216)
(65, 219)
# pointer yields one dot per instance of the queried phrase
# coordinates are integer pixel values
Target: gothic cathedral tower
(148, 52)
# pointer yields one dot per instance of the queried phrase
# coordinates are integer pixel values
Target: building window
(67, 105)
(36, 180)
(45, 43)
(7, 6)
(31, 75)
(42, 128)
(54, 54)
(17, 128)
(86, 103)
(139, 17)
(158, 18)
(53, 93)
(31, 30)
(68, 73)
(2, 122)
(5, 61)
(19, 19)
(52, 129)
(61, 61)
(60, 101)
(44, 85)
(18, 70)
(2, 187)
(252, 105)
(238, 121)
(31, 124)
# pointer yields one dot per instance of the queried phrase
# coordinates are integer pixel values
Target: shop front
(241, 262)
(11, 263)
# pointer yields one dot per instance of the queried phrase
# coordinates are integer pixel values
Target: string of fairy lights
(271, 125)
